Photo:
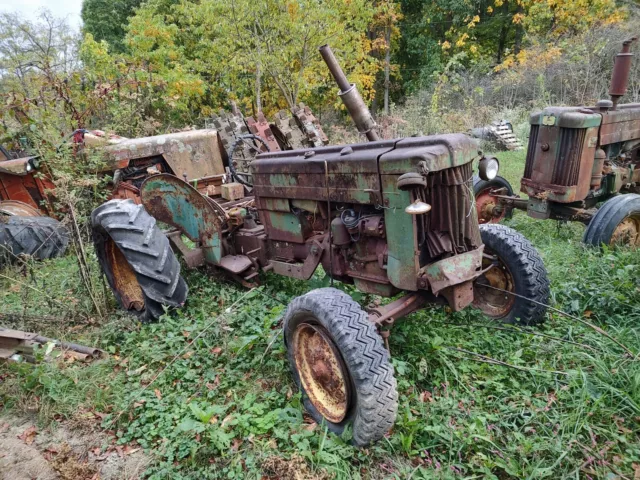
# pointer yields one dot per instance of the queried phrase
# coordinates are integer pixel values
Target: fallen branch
(523, 331)
(494, 361)
(42, 293)
(82, 261)
(573, 317)
(604, 461)
(14, 317)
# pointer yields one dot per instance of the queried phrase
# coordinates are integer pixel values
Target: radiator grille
(533, 139)
(567, 165)
(452, 226)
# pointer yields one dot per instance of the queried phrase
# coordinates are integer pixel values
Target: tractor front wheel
(340, 365)
(486, 204)
(136, 258)
(516, 288)
(616, 223)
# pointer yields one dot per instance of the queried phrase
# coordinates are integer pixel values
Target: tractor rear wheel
(37, 237)
(516, 288)
(340, 365)
(616, 223)
(136, 258)
(486, 205)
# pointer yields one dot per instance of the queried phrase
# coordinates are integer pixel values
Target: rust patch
(488, 208)
(124, 278)
(627, 232)
(321, 371)
(14, 207)
(194, 154)
(491, 302)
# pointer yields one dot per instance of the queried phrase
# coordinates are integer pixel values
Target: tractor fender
(173, 201)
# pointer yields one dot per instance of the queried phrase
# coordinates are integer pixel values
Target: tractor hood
(352, 173)
(396, 157)
(195, 154)
(19, 166)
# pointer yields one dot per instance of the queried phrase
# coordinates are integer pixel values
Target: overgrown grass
(566, 405)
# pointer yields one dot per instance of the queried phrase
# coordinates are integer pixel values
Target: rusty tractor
(388, 216)
(25, 228)
(27, 191)
(577, 158)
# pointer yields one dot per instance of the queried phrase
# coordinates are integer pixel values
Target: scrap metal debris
(19, 346)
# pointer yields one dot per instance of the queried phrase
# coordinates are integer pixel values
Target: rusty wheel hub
(322, 372)
(627, 232)
(494, 303)
(488, 211)
(124, 278)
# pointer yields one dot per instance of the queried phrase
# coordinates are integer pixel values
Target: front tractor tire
(616, 223)
(340, 364)
(136, 258)
(516, 288)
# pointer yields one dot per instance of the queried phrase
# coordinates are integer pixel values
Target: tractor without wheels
(389, 216)
(577, 158)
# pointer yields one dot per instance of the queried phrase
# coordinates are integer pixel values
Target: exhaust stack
(350, 97)
(621, 69)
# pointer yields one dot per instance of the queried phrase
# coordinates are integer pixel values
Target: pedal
(235, 263)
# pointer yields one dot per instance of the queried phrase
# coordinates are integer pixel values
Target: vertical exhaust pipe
(621, 69)
(350, 97)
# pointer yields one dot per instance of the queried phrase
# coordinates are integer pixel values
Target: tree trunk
(258, 85)
(504, 30)
(387, 66)
(519, 34)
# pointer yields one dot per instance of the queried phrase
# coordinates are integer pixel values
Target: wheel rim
(14, 207)
(627, 232)
(125, 281)
(494, 303)
(322, 372)
(488, 211)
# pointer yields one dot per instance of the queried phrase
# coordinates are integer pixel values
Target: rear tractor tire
(136, 258)
(37, 237)
(340, 365)
(616, 223)
(516, 289)
(486, 207)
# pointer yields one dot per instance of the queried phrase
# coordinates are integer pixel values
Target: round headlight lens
(29, 167)
(488, 168)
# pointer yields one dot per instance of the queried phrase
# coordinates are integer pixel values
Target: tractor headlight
(488, 168)
(29, 167)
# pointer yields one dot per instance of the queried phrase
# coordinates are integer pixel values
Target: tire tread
(38, 237)
(525, 262)
(364, 353)
(146, 249)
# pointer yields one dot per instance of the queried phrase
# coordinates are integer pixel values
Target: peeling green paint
(288, 223)
(282, 180)
(402, 264)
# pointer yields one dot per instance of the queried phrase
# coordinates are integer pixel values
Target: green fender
(173, 201)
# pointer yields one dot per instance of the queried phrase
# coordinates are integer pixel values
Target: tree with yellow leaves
(211, 49)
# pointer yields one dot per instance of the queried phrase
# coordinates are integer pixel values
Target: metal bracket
(301, 271)
(193, 257)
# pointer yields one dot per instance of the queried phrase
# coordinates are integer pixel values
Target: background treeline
(140, 68)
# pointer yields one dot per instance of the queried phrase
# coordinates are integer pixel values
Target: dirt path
(27, 453)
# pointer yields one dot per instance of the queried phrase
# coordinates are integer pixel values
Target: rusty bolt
(545, 147)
